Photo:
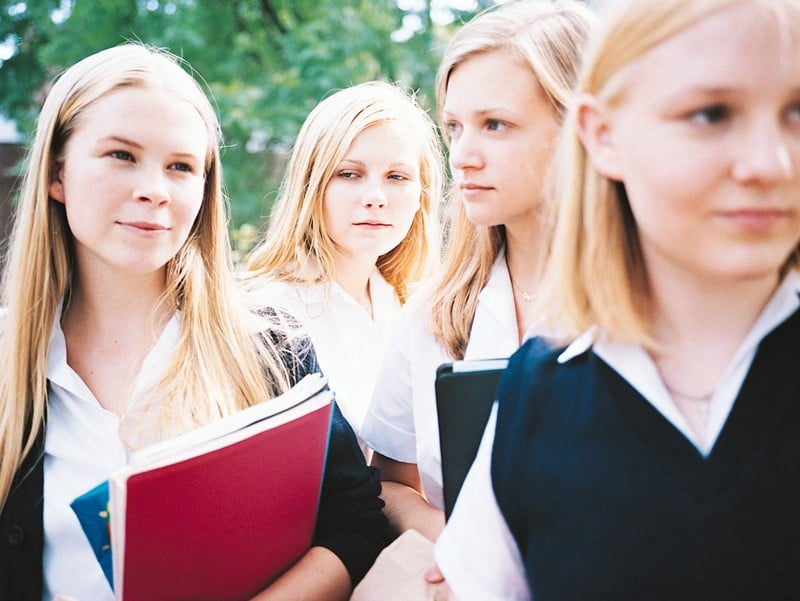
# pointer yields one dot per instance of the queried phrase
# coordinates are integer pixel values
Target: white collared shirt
(401, 422)
(82, 449)
(476, 551)
(348, 341)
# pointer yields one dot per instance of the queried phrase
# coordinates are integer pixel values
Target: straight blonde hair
(547, 36)
(217, 368)
(297, 248)
(596, 275)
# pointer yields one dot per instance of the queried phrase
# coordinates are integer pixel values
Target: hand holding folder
(220, 512)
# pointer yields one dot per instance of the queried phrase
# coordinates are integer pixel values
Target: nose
(374, 196)
(152, 185)
(765, 156)
(465, 151)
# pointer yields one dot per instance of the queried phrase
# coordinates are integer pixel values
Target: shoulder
(533, 368)
(417, 307)
(274, 293)
(528, 362)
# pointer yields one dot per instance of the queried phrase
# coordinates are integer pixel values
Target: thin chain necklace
(702, 402)
(527, 297)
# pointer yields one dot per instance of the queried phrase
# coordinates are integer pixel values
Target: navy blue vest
(607, 500)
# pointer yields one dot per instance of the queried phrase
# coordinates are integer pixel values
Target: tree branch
(270, 13)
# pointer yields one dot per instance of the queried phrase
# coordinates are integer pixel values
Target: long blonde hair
(547, 36)
(596, 275)
(297, 247)
(217, 367)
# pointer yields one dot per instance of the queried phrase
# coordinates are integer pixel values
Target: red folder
(223, 512)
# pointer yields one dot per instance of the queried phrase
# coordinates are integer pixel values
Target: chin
(484, 218)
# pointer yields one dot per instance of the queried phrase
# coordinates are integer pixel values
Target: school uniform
(401, 422)
(593, 485)
(349, 342)
(43, 550)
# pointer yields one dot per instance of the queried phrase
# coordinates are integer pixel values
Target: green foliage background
(266, 63)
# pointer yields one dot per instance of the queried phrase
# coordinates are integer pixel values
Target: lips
(471, 186)
(756, 219)
(145, 226)
(372, 223)
(469, 189)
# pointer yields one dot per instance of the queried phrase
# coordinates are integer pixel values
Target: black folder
(465, 391)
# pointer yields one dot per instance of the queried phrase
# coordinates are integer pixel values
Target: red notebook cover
(223, 524)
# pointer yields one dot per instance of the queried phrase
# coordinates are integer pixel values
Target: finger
(434, 575)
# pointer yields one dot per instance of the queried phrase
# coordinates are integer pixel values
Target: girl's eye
(794, 113)
(495, 125)
(710, 115)
(400, 177)
(182, 167)
(452, 129)
(122, 155)
(345, 174)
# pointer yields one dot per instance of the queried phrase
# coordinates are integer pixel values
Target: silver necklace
(701, 402)
(527, 297)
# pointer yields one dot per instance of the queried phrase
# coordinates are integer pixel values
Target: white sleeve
(389, 423)
(476, 552)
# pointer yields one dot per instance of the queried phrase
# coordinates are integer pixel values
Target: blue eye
(452, 129)
(794, 113)
(185, 167)
(710, 115)
(122, 155)
(495, 125)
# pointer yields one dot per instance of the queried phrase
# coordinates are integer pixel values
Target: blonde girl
(353, 230)
(501, 92)
(121, 325)
(653, 454)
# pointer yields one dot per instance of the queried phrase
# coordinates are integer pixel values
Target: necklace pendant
(527, 297)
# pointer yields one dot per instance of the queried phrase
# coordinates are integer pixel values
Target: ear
(595, 131)
(56, 188)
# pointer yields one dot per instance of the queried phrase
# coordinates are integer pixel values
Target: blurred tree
(266, 62)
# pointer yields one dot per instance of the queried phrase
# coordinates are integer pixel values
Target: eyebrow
(121, 140)
(483, 112)
(363, 164)
(132, 143)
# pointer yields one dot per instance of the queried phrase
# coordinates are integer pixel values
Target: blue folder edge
(92, 509)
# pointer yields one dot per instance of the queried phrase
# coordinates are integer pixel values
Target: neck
(525, 259)
(353, 275)
(699, 325)
(525, 256)
(687, 311)
(109, 326)
(118, 304)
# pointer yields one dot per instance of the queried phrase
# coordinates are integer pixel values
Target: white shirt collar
(784, 301)
(635, 365)
(317, 297)
(497, 295)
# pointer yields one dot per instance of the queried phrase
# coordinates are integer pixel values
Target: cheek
(192, 204)
(330, 214)
(409, 202)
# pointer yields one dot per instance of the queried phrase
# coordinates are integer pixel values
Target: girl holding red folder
(122, 327)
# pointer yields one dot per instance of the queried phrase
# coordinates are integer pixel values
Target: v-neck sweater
(625, 507)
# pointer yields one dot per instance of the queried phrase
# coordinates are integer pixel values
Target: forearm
(406, 508)
(318, 575)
